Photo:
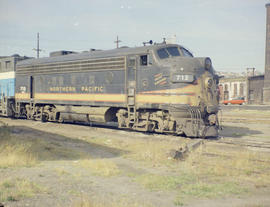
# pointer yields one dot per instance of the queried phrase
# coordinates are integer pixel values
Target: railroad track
(246, 143)
(159, 136)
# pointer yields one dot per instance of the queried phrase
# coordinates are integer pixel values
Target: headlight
(208, 63)
(209, 82)
(182, 78)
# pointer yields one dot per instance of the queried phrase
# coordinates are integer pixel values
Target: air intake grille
(73, 66)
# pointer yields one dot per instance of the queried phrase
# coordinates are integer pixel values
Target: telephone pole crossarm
(117, 42)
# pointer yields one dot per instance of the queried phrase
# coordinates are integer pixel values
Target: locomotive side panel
(71, 90)
(105, 88)
(90, 88)
(87, 82)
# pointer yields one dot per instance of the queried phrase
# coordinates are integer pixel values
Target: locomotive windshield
(186, 52)
(162, 53)
(172, 52)
(168, 52)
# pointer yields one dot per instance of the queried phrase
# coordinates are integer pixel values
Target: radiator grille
(74, 66)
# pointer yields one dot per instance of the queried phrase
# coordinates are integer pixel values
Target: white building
(233, 87)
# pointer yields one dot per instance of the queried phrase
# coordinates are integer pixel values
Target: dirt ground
(80, 165)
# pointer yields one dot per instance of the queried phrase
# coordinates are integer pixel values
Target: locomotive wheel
(44, 117)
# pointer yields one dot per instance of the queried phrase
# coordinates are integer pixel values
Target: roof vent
(61, 52)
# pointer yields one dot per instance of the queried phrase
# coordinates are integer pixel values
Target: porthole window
(109, 77)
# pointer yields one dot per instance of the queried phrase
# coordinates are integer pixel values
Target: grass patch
(243, 165)
(208, 190)
(226, 166)
(211, 172)
(25, 150)
(16, 156)
(161, 182)
(189, 185)
(153, 152)
(16, 189)
(13, 152)
(46, 149)
(100, 167)
(85, 202)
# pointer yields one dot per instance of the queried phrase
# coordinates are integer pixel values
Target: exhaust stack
(266, 88)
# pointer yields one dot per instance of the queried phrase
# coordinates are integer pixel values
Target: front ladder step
(132, 115)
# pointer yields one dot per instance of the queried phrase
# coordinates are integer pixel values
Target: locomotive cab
(192, 90)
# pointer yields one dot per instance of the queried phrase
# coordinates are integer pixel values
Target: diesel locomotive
(156, 88)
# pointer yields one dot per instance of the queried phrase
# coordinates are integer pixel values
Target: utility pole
(37, 49)
(252, 71)
(248, 78)
(117, 42)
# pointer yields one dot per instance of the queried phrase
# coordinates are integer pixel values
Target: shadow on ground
(50, 146)
(237, 132)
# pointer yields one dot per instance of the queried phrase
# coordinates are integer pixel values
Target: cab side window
(143, 60)
(186, 53)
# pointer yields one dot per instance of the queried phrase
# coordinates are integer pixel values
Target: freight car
(156, 88)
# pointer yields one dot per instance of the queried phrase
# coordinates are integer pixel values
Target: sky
(230, 32)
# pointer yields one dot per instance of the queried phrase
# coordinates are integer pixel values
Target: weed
(153, 152)
(15, 189)
(178, 202)
(11, 198)
(16, 155)
(27, 151)
(13, 152)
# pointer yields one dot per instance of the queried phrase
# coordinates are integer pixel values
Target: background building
(255, 89)
(232, 87)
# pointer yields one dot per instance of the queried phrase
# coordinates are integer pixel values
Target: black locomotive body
(160, 88)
